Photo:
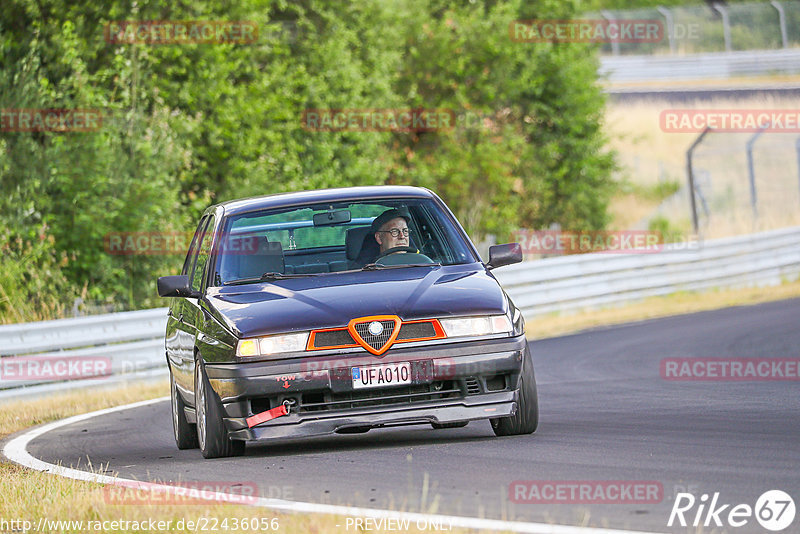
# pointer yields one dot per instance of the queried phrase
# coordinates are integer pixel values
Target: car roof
(341, 194)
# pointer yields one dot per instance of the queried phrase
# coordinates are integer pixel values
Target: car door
(192, 314)
(180, 338)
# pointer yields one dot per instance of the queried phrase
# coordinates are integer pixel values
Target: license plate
(379, 376)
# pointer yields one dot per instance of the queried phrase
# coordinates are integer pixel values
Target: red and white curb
(16, 451)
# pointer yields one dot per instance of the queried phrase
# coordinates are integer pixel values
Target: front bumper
(449, 382)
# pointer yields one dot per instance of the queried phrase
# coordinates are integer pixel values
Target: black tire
(212, 437)
(526, 419)
(185, 433)
(457, 424)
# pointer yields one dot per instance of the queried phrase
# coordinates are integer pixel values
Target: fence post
(782, 22)
(690, 173)
(670, 27)
(797, 149)
(726, 25)
(609, 16)
(751, 170)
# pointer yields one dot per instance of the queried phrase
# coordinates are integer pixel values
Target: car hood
(331, 300)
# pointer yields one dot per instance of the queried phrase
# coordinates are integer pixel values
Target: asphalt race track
(606, 415)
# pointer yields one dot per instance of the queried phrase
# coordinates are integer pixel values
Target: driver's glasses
(396, 232)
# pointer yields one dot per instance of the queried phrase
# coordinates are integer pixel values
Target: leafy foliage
(188, 125)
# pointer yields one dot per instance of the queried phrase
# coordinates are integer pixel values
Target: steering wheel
(393, 250)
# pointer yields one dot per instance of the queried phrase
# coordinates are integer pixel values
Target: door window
(202, 256)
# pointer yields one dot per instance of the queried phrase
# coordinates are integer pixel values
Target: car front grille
(334, 338)
(397, 396)
(410, 331)
(420, 330)
(376, 342)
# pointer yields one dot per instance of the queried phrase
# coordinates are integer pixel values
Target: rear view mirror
(176, 286)
(507, 254)
(331, 217)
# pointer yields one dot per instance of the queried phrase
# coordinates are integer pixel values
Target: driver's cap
(387, 216)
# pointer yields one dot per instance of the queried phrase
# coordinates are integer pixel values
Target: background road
(605, 415)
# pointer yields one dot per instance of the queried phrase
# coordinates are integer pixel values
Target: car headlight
(272, 345)
(476, 326)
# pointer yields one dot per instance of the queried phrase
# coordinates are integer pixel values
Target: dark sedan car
(341, 310)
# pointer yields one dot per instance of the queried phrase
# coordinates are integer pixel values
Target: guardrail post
(726, 25)
(690, 174)
(670, 28)
(751, 171)
(781, 21)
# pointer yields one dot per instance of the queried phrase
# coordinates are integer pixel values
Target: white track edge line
(16, 451)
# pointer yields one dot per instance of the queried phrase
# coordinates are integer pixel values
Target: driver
(391, 229)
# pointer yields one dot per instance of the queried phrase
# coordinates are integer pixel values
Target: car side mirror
(176, 286)
(507, 254)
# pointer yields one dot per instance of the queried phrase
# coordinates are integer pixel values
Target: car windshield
(318, 239)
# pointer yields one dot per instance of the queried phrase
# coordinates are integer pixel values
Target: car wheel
(185, 433)
(211, 434)
(526, 419)
(457, 424)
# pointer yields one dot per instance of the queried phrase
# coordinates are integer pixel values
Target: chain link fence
(743, 182)
(712, 28)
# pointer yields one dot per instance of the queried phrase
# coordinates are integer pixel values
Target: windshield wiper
(377, 266)
(266, 276)
(280, 276)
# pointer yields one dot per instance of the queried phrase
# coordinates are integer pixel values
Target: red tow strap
(266, 416)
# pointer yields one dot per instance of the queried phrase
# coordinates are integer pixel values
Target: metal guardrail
(134, 343)
(717, 65)
(28, 338)
(570, 283)
(113, 344)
